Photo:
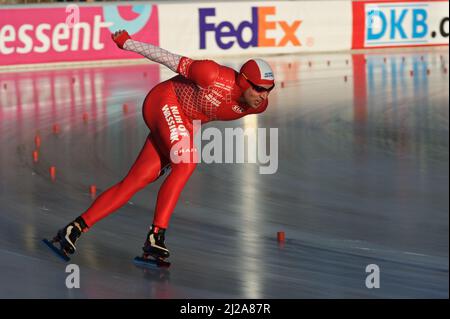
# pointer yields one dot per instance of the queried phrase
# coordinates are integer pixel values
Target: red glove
(120, 37)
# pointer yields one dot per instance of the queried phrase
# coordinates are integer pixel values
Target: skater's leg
(178, 146)
(167, 198)
(145, 170)
(170, 192)
(173, 133)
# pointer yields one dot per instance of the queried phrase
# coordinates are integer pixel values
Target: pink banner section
(72, 33)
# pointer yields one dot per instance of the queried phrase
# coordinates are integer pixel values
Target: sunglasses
(259, 88)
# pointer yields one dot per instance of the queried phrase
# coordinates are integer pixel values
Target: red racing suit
(203, 90)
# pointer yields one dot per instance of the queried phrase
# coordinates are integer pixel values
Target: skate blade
(56, 250)
(150, 262)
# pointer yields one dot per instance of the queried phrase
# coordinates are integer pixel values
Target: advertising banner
(225, 28)
(379, 24)
(72, 33)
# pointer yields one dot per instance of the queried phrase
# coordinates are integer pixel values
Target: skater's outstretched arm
(202, 72)
(151, 52)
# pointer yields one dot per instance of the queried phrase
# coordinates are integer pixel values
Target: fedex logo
(226, 34)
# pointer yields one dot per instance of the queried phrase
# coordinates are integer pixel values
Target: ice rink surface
(362, 178)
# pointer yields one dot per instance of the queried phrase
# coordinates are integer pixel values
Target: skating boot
(155, 251)
(63, 243)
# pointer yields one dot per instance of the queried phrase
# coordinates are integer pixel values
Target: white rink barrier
(65, 33)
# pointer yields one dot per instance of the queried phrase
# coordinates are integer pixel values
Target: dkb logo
(402, 24)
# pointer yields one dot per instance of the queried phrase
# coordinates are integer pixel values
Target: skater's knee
(135, 183)
(184, 168)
